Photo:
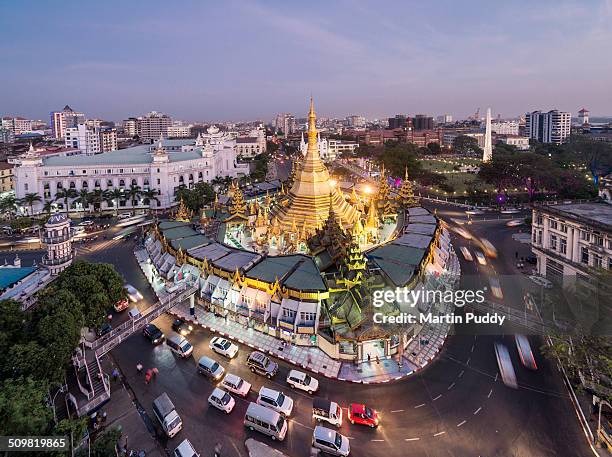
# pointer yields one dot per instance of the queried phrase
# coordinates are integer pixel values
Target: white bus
(506, 368)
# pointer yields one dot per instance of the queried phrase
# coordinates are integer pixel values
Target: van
(210, 368)
(179, 345)
(185, 449)
(275, 400)
(163, 408)
(330, 441)
(328, 411)
(265, 421)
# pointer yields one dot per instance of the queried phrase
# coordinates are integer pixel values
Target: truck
(166, 415)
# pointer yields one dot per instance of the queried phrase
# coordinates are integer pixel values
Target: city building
(18, 125)
(571, 239)
(444, 119)
(179, 131)
(422, 122)
(251, 145)
(130, 127)
(152, 126)
(91, 140)
(398, 122)
(58, 239)
(354, 121)
(6, 135)
(508, 127)
(7, 183)
(61, 120)
(423, 137)
(163, 166)
(330, 149)
(520, 142)
(286, 123)
(21, 283)
(583, 116)
(551, 127)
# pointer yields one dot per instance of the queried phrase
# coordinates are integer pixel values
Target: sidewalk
(122, 412)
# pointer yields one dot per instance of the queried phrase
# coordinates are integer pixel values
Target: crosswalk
(85, 249)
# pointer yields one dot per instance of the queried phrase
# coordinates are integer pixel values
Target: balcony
(55, 239)
(57, 261)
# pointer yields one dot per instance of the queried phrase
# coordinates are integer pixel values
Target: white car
(133, 293)
(298, 380)
(467, 255)
(510, 211)
(224, 347)
(220, 399)
(236, 385)
(474, 211)
(275, 400)
(481, 258)
(514, 223)
(463, 232)
(122, 216)
(86, 223)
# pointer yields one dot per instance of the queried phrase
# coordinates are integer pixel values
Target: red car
(121, 305)
(361, 414)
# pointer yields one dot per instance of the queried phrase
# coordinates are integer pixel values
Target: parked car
(224, 347)
(86, 223)
(182, 327)
(185, 449)
(259, 363)
(236, 385)
(105, 329)
(133, 293)
(361, 414)
(153, 333)
(299, 380)
(220, 399)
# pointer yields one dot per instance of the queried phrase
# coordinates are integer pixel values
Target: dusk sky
(244, 60)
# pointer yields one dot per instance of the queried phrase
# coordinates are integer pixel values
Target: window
(563, 246)
(158, 181)
(72, 185)
(85, 185)
(109, 183)
(539, 220)
(564, 228)
(585, 236)
(97, 183)
(610, 263)
(597, 261)
(598, 240)
(59, 185)
(84, 172)
(539, 240)
(584, 254)
(553, 242)
(552, 224)
(289, 313)
(25, 187)
(122, 183)
(307, 316)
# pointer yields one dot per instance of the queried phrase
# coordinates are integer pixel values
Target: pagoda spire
(405, 195)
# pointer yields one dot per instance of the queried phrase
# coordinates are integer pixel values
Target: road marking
(461, 374)
(496, 375)
(439, 433)
(412, 439)
(236, 447)
(418, 406)
(451, 386)
(350, 437)
(490, 392)
(437, 397)
(478, 410)
(468, 361)
(461, 423)
(472, 350)
(378, 441)
(397, 410)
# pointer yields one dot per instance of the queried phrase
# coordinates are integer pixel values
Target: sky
(243, 60)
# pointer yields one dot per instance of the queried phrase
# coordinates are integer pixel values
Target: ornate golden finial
(182, 214)
(312, 128)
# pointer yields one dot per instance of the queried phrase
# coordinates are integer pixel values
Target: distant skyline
(246, 60)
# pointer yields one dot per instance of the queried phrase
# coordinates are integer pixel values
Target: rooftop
(11, 275)
(597, 214)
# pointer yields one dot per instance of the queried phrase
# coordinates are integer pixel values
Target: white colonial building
(330, 149)
(163, 166)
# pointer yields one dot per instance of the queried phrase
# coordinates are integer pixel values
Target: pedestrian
(516, 254)
(139, 367)
(309, 359)
(115, 375)
(377, 359)
(369, 358)
(218, 450)
(148, 376)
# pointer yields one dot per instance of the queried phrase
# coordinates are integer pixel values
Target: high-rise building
(444, 119)
(355, 121)
(130, 126)
(17, 125)
(398, 122)
(422, 122)
(551, 127)
(510, 127)
(61, 120)
(91, 140)
(179, 131)
(286, 123)
(583, 116)
(6, 135)
(153, 126)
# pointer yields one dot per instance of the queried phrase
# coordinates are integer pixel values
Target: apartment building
(551, 127)
(6, 177)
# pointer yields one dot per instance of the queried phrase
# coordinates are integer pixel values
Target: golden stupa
(312, 193)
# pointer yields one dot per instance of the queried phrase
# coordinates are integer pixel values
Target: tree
(114, 196)
(105, 445)
(8, 205)
(149, 196)
(30, 199)
(202, 194)
(434, 148)
(48, 207)
(23, 407)
(133, 193)
(464, 144)
(96, 197)
(83, 197)
(65, 195)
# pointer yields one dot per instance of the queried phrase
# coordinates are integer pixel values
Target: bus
(505, 366)
(525, 352)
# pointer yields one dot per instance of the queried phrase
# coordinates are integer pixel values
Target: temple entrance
(373, 348)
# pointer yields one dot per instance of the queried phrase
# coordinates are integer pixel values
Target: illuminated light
(333, 182)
